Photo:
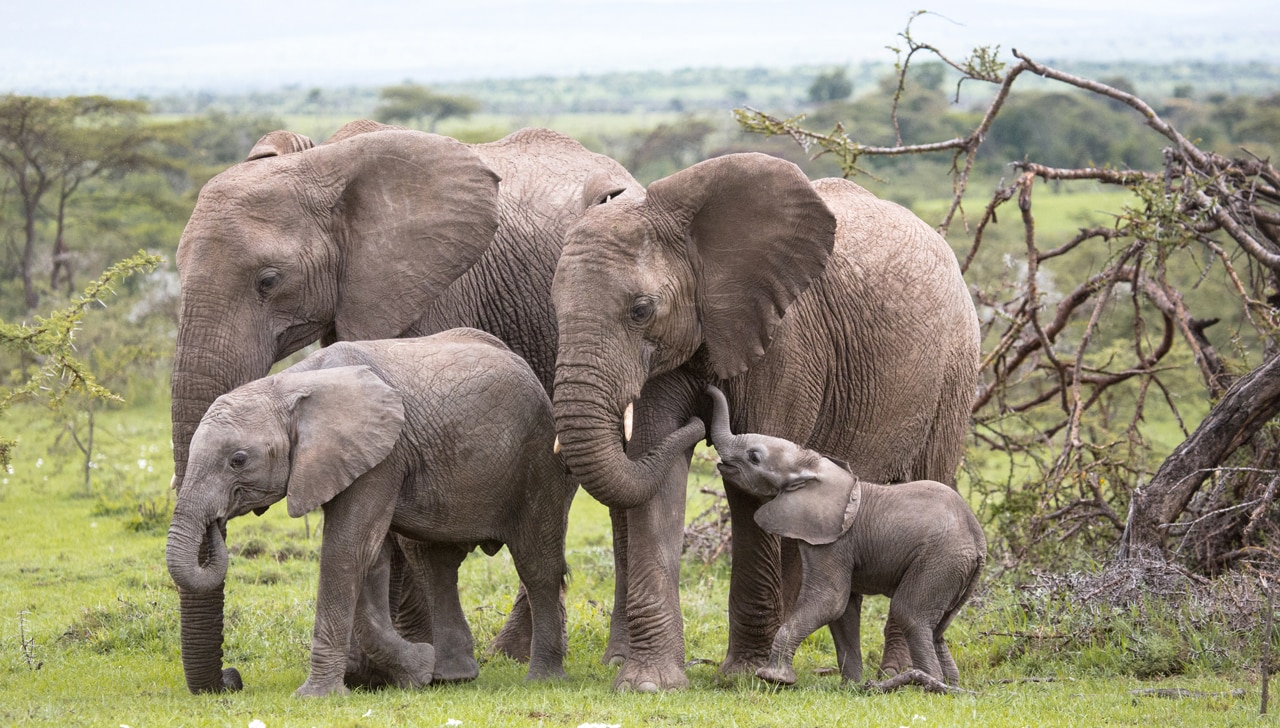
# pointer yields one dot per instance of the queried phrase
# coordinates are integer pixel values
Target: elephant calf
(917, 543)
(445, 441)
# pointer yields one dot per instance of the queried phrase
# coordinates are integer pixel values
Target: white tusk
(556, 447)
(173, 482)
(627, 418)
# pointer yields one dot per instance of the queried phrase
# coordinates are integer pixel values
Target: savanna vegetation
(1097, 211)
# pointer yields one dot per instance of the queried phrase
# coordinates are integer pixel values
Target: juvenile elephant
(377, 233)
(917, 543)
(445, 441)
(828, 316)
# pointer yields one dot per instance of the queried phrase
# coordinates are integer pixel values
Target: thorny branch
(1061, 395)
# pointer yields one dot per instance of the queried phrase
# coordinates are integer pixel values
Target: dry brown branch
(918, 678)
(1082, 333)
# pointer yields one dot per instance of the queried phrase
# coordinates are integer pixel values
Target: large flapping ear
(411, 213)
(818, 512)
(279, 143)
(758, 234)
(346, 420)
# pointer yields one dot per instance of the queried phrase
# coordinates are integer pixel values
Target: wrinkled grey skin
(828, 316)
(377, 233)
(445, 441)
(917, 543)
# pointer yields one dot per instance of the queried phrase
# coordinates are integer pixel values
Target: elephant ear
(412, 212)
(818, 512)
(279, 143)
(346, 420)
(757, 235)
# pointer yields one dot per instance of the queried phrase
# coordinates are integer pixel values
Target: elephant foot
(316, 690)
(777, 674)
(615, 654)
(649, 678)
(546, 672)
(517, 633)
(892, 666)
(418, 668)
(362, 673)
(463, 668)
(742, 664)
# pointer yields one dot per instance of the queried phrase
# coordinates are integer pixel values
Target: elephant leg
(755, 587)
(819, 602)
(437, 565)
(656, 629)
(619, 646)
(346, 555)
(950, 673)
(896, 657)
(410, 613)
(544, 575)
(846, 632)
(914, 607)
(408, 664)
(513, 640)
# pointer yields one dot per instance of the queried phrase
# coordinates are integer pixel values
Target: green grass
(89, 629)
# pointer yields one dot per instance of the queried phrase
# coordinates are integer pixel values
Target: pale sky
(128, 46)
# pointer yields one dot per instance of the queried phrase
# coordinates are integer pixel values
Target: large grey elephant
(918, 543)
(376, 233)
(444, 440)
(828, 316)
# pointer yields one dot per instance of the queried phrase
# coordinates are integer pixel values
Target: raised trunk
(718, 428)
(590, 435)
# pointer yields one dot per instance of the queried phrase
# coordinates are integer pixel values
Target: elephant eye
(238, 459)
(642, 310)
(268, 280)
(753, 456)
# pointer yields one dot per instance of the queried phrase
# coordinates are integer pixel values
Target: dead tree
(1056, 399)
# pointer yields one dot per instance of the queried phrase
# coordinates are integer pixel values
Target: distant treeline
(697, 89)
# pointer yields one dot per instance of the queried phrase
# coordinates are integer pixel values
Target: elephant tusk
(556, 447)
(627, 421)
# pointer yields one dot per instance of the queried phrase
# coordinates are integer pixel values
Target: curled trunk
(196, 555)
(592, 443)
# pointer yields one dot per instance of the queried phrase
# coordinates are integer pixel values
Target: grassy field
(89, 628)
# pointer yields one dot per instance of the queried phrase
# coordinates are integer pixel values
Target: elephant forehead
(619, 248)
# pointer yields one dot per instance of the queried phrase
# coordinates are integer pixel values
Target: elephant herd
(616, 320)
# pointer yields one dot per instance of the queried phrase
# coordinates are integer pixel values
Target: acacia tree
(414, 103)
(50, 147)
(1065, 391)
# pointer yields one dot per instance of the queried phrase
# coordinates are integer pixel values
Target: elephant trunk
(718, 429)
(206, 365)
(196, 555)
(591, 439)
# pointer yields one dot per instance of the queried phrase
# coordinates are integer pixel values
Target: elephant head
(304, 436)
(350, 239)
(810, 497)
(701, 268)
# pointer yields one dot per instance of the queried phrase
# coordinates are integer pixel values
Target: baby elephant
(917, 543)
(445, 441)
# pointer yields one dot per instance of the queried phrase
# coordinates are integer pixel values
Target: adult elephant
(829, 317)
(379, 232)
